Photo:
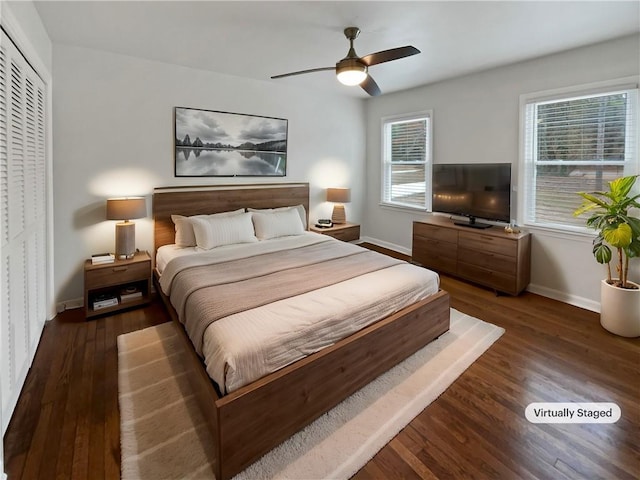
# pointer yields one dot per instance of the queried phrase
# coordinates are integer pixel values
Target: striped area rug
(163, 434)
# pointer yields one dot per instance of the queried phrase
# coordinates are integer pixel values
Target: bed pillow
(279, 223)
(184, 228)
(215, 231)
(299, 208)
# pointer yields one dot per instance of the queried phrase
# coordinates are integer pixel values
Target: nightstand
(111, 287)
(346, 232)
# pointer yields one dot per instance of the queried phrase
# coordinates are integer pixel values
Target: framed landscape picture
(221, 144)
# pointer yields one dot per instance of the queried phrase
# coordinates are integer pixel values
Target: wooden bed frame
(251, 421)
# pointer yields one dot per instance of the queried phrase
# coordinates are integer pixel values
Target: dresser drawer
(117, 273)
(428, 246)
(493, 261)
(498, 281)
(435, 254)
(488, 243)
(347, 234)
(438, 263)
(435, 233)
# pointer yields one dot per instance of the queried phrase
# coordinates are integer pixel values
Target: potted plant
(618, 230)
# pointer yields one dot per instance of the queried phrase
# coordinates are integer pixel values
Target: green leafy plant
(616, 227)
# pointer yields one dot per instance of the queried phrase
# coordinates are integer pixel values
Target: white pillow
(300, 208)
(279, 223)
(215, 231)
(184, 228)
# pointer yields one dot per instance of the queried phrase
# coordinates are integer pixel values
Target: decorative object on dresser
(113, 286)
(489, 257)
(338, 196)
(347, 232)
(620, 229)
(221, 144)
(126, 209)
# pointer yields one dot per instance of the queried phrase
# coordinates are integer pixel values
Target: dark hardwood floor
(66, 424)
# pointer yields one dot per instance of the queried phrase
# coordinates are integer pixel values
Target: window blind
(22, 219)
(575, 144)
(406, 157)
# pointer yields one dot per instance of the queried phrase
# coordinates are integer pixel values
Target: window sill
(574, 235)
(402, 208)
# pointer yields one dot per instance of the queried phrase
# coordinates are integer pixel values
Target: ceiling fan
(354, 70)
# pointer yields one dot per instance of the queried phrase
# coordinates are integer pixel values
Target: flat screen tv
(474, 190)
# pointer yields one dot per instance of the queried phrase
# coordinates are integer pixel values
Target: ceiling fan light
(351, 72)
(352, 77)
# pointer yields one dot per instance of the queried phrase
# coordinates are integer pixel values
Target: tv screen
(474, 190)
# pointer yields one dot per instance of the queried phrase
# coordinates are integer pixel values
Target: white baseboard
(69, 304)
(390, 246)
(564, 297)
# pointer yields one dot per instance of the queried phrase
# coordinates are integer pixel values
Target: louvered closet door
(22, 219)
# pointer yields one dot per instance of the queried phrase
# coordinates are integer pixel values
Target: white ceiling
(263, 38)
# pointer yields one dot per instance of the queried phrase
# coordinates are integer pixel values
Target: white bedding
(166, 253)
(245, 346)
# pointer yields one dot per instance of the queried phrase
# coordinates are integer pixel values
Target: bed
(249, 416)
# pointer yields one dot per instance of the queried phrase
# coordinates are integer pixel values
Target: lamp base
(125, 240)
(338, 215)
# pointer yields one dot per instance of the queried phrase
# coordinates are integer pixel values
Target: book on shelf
(100, 258)
(104, 301)
(129, 294)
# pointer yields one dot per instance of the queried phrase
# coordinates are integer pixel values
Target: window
(406, 158)
(573, 142)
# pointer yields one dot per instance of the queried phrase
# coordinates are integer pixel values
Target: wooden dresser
(489, 257)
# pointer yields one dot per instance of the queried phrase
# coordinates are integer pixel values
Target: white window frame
(527, 165)
(386, 163)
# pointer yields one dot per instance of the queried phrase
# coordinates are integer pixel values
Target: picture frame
(210, 143)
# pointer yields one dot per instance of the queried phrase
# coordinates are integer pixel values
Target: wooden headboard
(189, 201)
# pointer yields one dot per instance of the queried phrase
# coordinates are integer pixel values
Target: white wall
(475, 119)
(113, 118)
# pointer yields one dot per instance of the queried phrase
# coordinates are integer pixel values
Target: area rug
(163, 435)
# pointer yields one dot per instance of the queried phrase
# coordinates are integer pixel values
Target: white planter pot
(620, 310)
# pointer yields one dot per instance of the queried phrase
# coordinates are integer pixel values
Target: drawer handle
(120, 269)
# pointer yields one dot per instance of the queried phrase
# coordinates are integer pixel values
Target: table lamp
(125, 209)
(338, 196)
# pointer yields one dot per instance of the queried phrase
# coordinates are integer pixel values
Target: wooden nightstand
(346, 232)
(113, 280)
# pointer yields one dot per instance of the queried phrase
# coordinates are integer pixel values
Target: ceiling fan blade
(370, 86)
(388, 55)
(301, 72)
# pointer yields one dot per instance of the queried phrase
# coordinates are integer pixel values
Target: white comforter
(243, 347)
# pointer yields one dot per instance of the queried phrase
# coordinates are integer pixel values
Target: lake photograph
(210, 143)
